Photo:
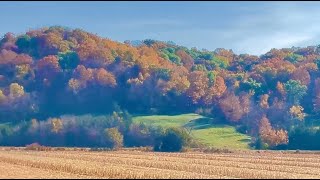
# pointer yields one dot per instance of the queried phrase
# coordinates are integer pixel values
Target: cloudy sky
(244, 27)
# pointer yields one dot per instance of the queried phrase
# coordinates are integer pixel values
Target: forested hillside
(51, 72)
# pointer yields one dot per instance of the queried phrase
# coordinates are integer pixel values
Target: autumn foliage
(271, 136)
(52, 71)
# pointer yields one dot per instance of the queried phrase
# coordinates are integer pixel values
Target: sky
(244, 27)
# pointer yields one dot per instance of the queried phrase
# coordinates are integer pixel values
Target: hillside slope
(53, 71)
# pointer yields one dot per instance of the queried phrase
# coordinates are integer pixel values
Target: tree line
(54, 71)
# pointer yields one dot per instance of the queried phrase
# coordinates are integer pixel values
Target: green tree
(295, 91)
(169, 53)
(149, 42)
(173, 140)
(212, 77)
(23, 43)
(199, 67)
(206, 56)
(253, 86)
(217, 62)
(294, 58)
(68, 60)
(163, 73)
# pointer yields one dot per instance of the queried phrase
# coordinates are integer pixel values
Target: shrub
(173, 140)
(100, 149)
(140, 135)
(37, 147)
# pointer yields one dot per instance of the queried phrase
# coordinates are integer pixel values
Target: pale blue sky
(244, 27)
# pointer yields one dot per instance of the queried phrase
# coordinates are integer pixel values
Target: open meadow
(82, 163)
(204, 129)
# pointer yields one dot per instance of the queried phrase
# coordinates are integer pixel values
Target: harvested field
(19, 163)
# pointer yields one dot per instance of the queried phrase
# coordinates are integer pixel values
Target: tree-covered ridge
(54, 71)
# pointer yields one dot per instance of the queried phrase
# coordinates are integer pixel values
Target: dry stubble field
(137, 164)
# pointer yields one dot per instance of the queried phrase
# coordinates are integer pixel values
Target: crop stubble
(136, 164)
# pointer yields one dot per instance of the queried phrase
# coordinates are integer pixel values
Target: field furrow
(11, 171)
(146, 161)
(207, 167)
(97, 169)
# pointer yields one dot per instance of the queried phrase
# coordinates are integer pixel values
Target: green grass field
(202, 128)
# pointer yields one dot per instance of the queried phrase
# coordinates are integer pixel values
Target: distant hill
(53, 71)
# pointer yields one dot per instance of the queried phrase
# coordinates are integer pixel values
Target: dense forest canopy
(55, 71)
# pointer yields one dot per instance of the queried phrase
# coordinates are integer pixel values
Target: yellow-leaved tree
(16, 90)
(56, 124)
(114, 138)
(297, 112)
(2, 97)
